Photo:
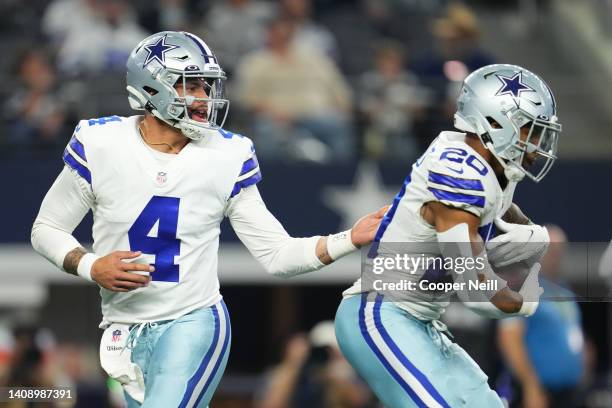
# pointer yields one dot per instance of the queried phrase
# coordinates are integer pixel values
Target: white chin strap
(511, 171)
(195, 132)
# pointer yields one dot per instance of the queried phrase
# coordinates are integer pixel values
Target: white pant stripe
(213, 360)
(394, 362)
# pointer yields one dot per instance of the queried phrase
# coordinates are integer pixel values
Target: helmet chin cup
(513, 173)
(195, 132)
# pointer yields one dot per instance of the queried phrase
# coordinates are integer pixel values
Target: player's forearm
(322, 252)
(72, 259)
(291, 256)
(279, 253)
(333, 247)
(461, 242)
(62, 209)
(62, 249)
(55, 245)
(515, 215)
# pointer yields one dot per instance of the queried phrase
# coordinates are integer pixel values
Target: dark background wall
(575, 195)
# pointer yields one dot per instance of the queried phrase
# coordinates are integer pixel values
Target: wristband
(340, 244)
(529, 291)
(85, 264)
(528, 308)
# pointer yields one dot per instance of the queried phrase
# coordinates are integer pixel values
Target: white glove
(517, 243)
(531, 292)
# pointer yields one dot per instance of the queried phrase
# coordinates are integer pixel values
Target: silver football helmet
(495, 102)
(167, 59)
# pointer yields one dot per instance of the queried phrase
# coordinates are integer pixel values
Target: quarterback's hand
(364, 230)
(517, 243)
(112, 273)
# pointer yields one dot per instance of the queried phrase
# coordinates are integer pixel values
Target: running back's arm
(448, 223)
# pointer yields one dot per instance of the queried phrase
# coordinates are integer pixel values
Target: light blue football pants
(182, 360)
(408, 362)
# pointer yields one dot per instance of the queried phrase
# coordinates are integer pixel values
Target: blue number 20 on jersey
(162, 211)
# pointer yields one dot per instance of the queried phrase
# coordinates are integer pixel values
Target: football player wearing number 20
(459, 191)
(159, 186)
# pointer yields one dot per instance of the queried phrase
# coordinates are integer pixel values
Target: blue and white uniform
(398, 347)
(169, 207)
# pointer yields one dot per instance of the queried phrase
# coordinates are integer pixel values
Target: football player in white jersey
(159, 186)
(459, 191)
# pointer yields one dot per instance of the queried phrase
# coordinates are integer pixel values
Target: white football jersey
(453, 173)
(169, 207)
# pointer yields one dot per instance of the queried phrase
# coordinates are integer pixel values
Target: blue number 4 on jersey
(162, 211)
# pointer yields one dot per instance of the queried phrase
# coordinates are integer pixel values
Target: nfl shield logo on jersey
(161, 178)
(116, 335)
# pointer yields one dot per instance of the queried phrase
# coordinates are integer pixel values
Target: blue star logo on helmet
(513, 85)
(158, 51)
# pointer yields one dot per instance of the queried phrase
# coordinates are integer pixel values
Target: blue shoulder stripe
(75, 165)
(455, 182)
(78, 147)
(477, 201)
(254, 179)
(249, 165)
(384, 224)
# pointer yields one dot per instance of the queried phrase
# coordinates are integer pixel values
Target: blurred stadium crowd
(316, 81)
(308, 80)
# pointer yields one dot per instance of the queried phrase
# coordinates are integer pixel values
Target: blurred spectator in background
(307, 33)
(163, 15)
(77, 366)
(235, 28)
(457, 35)
(7, 344)
(92, 35)
(444, 67)
(545, 352)
(172, 15)
(300, 101)
(55, 23)
(31, 357)
(389, 99)
(37, 361)
(35, 113)
(313, 373)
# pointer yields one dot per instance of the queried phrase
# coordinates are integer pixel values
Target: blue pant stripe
(402, 357)
(228, 335)
(381, 358)
(193, 381)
